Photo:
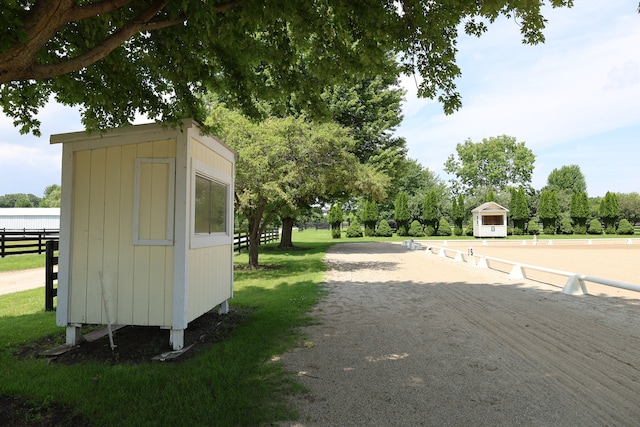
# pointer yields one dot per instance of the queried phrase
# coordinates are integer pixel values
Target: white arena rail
(542, 241)
(575, 284)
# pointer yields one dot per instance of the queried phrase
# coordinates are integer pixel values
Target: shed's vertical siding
(95, 247)
(141, 253)
(112, 238)
(209, 278)
(210, 268)
(135, 284)
(80, 237)
(126, 261)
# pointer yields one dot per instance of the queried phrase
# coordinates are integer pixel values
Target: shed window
(493, 220)
(210, 206)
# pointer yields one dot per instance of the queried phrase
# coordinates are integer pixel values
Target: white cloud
(412, 104)
(584, 82)
(28, 164)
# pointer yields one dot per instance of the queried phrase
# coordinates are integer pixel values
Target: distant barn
(29, 218)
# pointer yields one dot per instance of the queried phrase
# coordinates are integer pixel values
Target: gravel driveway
(407, 339)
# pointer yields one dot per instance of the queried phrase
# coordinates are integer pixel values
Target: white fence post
(517, 272)
(574, 286)
(482, 263)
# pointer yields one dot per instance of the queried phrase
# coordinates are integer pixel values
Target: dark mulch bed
(133, 345)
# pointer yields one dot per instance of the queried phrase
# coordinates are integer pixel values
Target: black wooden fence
(240, 241)
(51, 276)
(18, 242)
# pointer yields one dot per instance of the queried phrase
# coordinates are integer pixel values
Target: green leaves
(496, 162)
(609, 210)
(248, 50)
(567, 178)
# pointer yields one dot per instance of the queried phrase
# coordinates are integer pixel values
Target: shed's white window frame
(203, 240)
(168, 240)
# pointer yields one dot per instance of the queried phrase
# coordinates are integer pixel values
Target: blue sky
(573, 100)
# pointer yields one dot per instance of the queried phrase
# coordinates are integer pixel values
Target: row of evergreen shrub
(355, 230)
(416, 229)
(594, 227)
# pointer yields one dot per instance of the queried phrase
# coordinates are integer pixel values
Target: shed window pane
(493, 220)
(210, 206)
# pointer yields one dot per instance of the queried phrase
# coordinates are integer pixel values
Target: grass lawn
(21, 262)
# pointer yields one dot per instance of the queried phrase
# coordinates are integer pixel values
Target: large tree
(283, 163)
(116, 58)
(494, 163)
(371, 109)
(567, 178)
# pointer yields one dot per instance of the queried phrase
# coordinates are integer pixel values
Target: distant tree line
(51, 199)
(499, 169)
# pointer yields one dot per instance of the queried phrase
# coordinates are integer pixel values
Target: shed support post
(74, 336)
(176, 339)
(224, 307)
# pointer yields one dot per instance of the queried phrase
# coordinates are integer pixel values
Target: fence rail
(575, 284)
(240, 241)
(19, 242)
(51, 276)
(25, 241)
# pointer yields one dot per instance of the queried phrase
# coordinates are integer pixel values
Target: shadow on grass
(226, 383)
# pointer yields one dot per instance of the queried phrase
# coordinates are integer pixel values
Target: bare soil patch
(140, 344)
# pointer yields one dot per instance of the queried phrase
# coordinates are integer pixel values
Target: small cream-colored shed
(490, 220)
(146, 228)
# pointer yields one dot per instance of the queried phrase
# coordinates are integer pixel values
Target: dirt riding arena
(612, 259)
(408, 338)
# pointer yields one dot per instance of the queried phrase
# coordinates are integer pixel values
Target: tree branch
(89, 10)
(101, 50)
(43, 22)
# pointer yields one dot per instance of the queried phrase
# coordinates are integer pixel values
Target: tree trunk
(254, 243)
(287, 229)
